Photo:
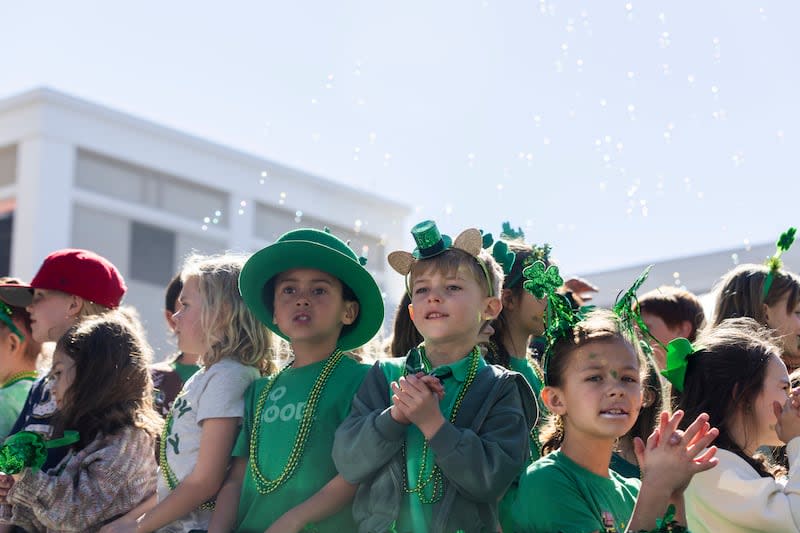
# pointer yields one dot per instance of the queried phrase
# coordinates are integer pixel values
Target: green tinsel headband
(561, 317)
(774, 263)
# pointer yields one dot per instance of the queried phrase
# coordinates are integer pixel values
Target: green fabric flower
(20, 450)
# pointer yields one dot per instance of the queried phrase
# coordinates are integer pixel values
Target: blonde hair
(450, 260)
(90, 309)
(230, 329)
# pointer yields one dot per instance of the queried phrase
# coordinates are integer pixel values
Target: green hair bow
(29, 449)
(774, 263)
(678, 352)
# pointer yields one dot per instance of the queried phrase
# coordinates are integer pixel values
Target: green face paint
(614, 374)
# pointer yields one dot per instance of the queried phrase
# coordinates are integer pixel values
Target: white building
(76, 174)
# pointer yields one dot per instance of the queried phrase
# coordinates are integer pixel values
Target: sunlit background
(620, 132)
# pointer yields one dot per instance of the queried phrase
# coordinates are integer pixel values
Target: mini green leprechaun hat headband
(774, 262)
(430, 243)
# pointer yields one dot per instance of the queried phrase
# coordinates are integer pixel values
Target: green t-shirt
(556, 494)
(184, 371)
(12, 398)
(621, 466)
(414, 514)
(280, 418)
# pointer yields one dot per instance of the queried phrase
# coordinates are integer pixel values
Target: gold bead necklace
(264, 485)
(435, 477)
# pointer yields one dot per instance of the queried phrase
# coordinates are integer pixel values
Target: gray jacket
(479, 455)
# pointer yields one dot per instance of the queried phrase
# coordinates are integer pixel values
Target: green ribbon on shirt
(27, 449)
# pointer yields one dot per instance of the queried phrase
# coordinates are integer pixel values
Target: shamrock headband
(507, 258)
(6, 317)
(561, 317)
(431, 243)
(627, 309)
(774, 263)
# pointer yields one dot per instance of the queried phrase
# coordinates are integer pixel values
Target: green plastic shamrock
(774, 264)
(786, 239)
(503, 256)
(487, 240)
(510, 233)
(541, 280)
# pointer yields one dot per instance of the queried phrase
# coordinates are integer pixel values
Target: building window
(152, 254)
(6, 227)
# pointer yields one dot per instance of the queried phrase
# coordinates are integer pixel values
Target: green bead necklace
(435, 477)
(19, 376)
(166, 471)
(264, 485)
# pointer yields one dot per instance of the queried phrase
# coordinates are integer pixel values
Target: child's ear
(75, 305)
(411, 312)
(685, 329)
(492, 309)
(13, 342)
(169, 317)
(554, 400)
(350, 313)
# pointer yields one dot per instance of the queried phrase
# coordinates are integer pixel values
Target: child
(310, 288)
(768, 294)
(670, 313)
(19, 354)
(736, 376)
(103, 391)
(71, 285)
(593, 390)
(169, 378)
(435, 438)
(205, 418)
(741, 294)
(655, 400)
(521, 319)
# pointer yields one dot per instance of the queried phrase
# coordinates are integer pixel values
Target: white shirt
(214, 392)
(733, 498)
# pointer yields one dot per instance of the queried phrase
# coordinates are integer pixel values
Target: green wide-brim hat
(320, 250)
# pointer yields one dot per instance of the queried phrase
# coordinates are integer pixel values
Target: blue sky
(621, 132)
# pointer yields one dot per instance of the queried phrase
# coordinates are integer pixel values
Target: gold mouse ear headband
(430, 243)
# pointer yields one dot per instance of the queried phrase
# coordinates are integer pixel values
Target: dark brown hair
(499, 354)
(674, 306)
(404, 333)
(112, 387)
(724, 378)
